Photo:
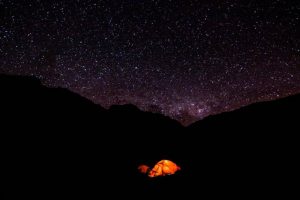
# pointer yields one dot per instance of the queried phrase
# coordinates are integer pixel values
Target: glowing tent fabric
(144, 169)
(162, 168)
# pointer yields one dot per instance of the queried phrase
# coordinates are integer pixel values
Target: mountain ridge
(34, 82)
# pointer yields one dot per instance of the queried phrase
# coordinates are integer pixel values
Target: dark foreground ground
(58, 144)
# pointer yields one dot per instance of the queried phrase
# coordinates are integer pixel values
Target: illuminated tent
(162, 168)
(144, 169)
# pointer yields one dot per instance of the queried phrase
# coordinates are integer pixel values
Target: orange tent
(144, 169)
(162, 168)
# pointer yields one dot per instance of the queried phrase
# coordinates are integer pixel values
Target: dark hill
(61, 144)
(271, 114)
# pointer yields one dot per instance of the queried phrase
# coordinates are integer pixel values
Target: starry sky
(185, 59)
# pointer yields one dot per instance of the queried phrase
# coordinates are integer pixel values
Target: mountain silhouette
(61, 144)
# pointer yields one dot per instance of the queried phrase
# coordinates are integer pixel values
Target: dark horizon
(37, 81)
(183, 123)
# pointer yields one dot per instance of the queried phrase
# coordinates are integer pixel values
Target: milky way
(184, 59)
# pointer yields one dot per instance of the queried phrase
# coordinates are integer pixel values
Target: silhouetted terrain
(63, 145)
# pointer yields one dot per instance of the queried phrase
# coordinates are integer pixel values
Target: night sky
(185, 59)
